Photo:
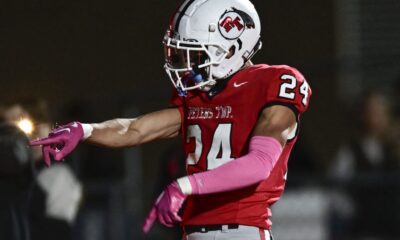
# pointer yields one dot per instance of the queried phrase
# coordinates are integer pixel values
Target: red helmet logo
(233, 23)
(228, 23)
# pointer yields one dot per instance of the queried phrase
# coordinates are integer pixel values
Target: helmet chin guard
(189, 64)
(209, 40)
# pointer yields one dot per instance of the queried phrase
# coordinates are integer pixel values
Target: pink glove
(166, 207)
(67, 136)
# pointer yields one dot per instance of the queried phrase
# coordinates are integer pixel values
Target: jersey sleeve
(287, 86)
(177, 101)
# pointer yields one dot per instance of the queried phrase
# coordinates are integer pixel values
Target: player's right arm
(135, 131)
(113, 133)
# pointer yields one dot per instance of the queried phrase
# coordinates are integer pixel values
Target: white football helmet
(209, 40)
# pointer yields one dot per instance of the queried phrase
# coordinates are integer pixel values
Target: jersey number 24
(220, 150)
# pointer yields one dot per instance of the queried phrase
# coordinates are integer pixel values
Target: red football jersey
(217, 126)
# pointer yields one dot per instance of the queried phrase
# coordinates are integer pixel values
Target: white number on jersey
(304, 91)
(220, 151)
(283, 92)
(194, 131)
(221, 145)
(286, 90)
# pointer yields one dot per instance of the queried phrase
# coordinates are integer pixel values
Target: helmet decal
(233, 23)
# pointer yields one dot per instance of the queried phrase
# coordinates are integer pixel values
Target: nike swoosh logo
(62, 130)
(239, 84)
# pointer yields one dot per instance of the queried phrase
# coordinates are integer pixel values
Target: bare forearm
(135, 131)
(111, 133)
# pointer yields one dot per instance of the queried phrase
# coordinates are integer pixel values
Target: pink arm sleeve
(247, 170)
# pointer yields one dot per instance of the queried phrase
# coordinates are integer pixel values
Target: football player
(238, 123)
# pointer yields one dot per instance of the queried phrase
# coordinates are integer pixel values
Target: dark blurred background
(96, 60)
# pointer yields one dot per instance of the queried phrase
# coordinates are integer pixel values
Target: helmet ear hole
(232, 52)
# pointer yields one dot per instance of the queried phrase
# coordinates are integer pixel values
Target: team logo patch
(233, 23)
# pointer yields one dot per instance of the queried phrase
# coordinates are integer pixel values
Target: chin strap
(255, 49)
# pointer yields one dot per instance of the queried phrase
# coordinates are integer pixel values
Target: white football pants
(241, 233)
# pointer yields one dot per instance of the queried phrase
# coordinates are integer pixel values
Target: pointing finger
(44, 141)
(150, 220)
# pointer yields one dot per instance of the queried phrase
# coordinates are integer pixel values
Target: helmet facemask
(189, 64)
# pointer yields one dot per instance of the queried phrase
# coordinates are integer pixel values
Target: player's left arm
(269, 137)
(276, 121)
